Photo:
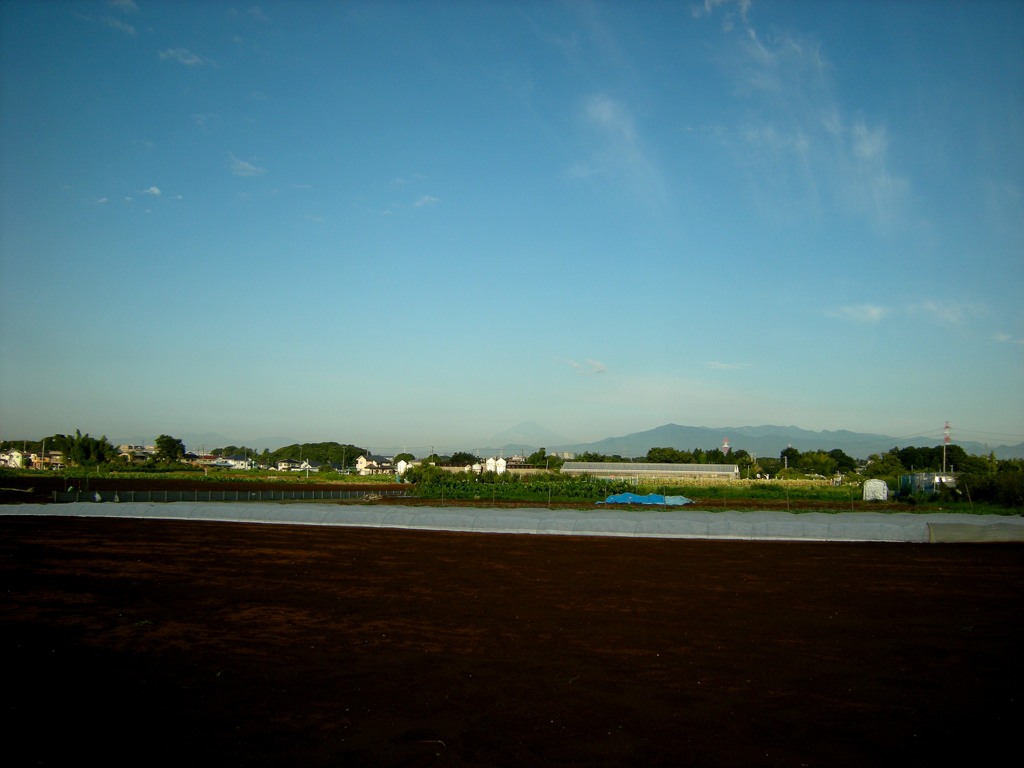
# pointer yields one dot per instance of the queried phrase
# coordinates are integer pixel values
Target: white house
(239, 462)
(368, 464)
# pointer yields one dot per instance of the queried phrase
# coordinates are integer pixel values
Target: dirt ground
(144, 642)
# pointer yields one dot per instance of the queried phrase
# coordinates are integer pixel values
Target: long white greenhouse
(625, 470)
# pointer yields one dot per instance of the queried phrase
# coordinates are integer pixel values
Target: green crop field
(432, 485)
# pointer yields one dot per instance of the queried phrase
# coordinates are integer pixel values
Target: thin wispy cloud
(183, 56)
(254, 12)
(798, 140)
(402, 181)
(866, 184)
(946, 312)
(617, 151)
(1005, 338)
(426, 200)
(126, 6)
(119, 25)
(154, 191)
(859, 313)
(609, 115)
(202, 121)
(257, 13)
(244, 168)
(588, 367)
(710, 6)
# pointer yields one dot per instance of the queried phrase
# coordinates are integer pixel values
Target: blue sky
(418, 224)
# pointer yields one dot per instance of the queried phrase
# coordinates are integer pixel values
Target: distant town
(932, 473)
(58, 451)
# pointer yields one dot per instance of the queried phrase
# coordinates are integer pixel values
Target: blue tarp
(650, 498)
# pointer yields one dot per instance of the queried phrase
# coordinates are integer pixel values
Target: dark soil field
(149, 643)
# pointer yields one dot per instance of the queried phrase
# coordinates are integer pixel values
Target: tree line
(87, 451)
(539, 458)
(342, 455)
(989, 476)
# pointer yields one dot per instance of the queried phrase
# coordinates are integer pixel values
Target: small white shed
(875, 490)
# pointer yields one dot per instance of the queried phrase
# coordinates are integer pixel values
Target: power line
(991, 434)
(962, 433)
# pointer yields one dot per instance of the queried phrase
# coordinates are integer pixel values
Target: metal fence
(168, 496)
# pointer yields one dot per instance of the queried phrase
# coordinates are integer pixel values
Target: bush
(1004, 488)
(434, 483)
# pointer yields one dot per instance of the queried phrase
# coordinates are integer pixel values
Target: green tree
(342, 454)
(234, 450)
(169, 449)
(884, 465)
(406, 457)
(742, 459)
(957, 458)
(84, 451)
(789, 457)
(817, 463)
(669, 456)
(463, 459)
(919, 459)
(538, 458)
(844, 463)
(715, 456)
(541, 458)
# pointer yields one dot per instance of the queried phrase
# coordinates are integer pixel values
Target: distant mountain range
(767, 440)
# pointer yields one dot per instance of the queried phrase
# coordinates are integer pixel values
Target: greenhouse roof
(630, 466)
